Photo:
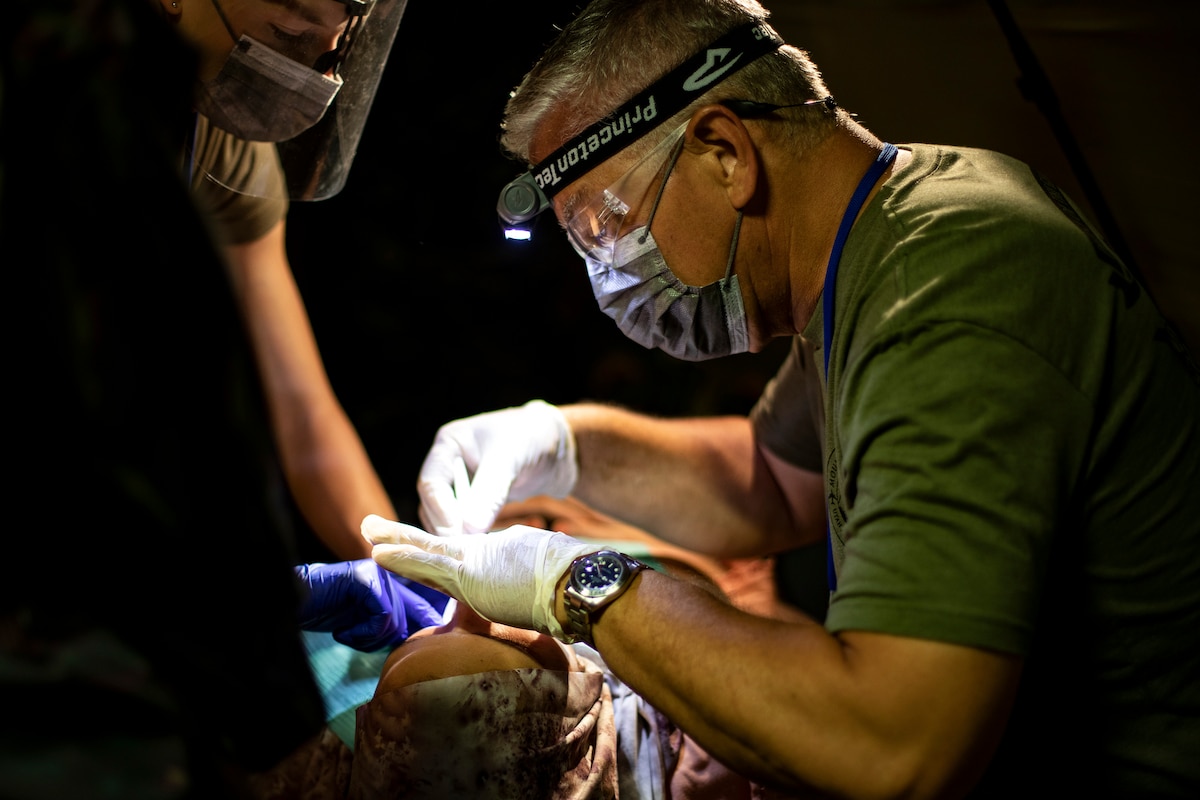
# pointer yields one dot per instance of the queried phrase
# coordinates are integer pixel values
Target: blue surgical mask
(656, 309)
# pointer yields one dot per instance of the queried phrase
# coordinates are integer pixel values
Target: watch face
(598, 573)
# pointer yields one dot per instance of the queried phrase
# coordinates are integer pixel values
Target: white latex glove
(479, 463)
(509, 576)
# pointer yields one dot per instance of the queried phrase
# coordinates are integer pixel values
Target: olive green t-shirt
(1011, 450)
(239, 185)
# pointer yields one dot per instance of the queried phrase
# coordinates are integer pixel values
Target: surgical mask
(263, 96)
(634, 285)
(656, 309)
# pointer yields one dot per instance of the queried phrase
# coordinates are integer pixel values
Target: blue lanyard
(886, 156)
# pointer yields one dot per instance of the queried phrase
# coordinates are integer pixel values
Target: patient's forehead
(446, 651)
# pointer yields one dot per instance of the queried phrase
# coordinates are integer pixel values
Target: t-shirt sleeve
(789, 415)
(239, 185)
(958, 446)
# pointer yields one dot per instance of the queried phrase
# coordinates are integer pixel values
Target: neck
(820, 188)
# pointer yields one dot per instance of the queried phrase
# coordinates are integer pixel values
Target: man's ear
(734, 154)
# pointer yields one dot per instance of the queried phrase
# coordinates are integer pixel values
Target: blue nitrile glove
(365, 606)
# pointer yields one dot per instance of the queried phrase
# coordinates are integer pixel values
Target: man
(1001, 426)
(270, 126)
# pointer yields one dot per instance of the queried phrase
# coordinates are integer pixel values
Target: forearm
(323, 458)
(698, 677)
(331, 478)
(698, 483)
(321, 454)
(857, 714)
(792, 706)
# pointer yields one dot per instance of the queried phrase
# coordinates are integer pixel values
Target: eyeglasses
(593, 229)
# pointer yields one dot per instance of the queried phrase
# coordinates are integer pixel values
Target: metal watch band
(579, 622)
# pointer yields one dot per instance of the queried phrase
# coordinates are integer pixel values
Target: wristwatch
(594, 581)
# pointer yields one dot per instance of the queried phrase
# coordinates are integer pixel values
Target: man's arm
(326, 465)
(701, 483)
(853, 714)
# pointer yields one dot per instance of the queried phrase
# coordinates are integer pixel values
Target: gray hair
(615, 48)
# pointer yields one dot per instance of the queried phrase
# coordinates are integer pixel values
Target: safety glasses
(593, 229)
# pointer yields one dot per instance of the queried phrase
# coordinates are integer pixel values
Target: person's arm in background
(322, 455)
(702, 483)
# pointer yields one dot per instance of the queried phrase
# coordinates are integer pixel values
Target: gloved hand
(510, 454)
(365, 606)
(508, 576)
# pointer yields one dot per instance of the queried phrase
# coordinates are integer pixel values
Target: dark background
(424, 314)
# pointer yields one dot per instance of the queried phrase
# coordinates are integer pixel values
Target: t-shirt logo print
(706, 74)
(837, 513)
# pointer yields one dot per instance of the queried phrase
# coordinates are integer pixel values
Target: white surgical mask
(656, 309)
(262, 95)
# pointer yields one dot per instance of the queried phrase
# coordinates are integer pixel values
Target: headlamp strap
(659, 101)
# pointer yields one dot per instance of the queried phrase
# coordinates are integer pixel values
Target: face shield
(312, 105)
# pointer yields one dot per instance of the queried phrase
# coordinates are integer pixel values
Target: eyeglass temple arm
(751, 109)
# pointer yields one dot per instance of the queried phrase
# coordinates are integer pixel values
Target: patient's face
(469, 644)
(470, 703)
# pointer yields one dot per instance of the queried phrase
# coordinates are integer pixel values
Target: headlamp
(519, 205)
(524, 198)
